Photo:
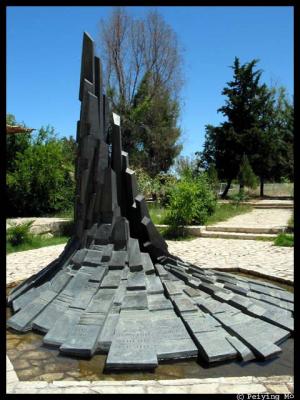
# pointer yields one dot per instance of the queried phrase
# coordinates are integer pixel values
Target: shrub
(19, 234)
(41, 182)
(285, 240)
(191, 201)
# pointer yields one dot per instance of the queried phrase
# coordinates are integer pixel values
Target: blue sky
(44, 54)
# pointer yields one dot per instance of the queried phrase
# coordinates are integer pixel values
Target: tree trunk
(224, 194)
(261, 186)
(241, 187)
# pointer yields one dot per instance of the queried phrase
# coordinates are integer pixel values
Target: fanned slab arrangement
(116, 289)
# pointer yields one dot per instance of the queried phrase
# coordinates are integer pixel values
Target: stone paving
(259, 217)
(257, 257)
(245, 384)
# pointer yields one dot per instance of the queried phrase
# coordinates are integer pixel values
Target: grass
(285, 240)
(35, 242)
(226, 211)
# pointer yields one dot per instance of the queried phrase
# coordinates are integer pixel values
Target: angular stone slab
(132, 346)
(176, 349)
(82, 341)
(107, 252)
(76, 283)
(136, 280)
(98, 274)
(134, 254)
(168, 328)
(135, 300)
(203, 323)
(192, 292)
(59, 281)
(62, 327)
(120, 293)
(147, 264)
(85, 295)
(160, 270)
(47, 318)
(184, 304)
(120, 232)
(118, 260)
(159, 302)
(101, 301)
(107, 332)
(244, 352)
(25, 298)
(78, 257)
(172, 289)
(92, 257)
(154, 285)
(213, 345)
(111, 280)
(22, 320)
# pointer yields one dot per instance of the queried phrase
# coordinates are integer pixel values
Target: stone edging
(244, 384)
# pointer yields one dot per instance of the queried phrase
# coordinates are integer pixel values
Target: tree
(284, 128)
(142, 62)
(246, 175)
(249, 128)
(220, 152)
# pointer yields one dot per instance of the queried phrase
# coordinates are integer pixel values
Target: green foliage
(246, 175)
(41, 181)
(191, 201)
(157, 188)
(150, 131)
(285, 240)
(36, 242)
(239, 197)
(260, 123)
(186, 166)
(157, 213)
(19, 234)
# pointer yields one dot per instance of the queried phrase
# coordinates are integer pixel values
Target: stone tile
(277, 388)
(237, 388)
(168, 389)
(206, 388)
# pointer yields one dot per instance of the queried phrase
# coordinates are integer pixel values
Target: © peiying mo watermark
(259, 396)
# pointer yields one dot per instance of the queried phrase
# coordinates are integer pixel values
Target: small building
(12, 129)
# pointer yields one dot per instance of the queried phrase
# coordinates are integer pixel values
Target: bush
(41, 182)
(191, 201)
(285, 240)
(19, 234)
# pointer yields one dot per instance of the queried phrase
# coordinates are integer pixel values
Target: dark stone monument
(116, 288)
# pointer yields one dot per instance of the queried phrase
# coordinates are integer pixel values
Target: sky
(44, 54)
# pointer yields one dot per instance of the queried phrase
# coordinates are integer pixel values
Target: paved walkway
(259, 257)
(259, 218)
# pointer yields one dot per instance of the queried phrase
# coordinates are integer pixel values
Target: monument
(116, 289)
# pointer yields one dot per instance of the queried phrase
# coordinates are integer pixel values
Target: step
(245, 229)
(276, 206)
(232, 235)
